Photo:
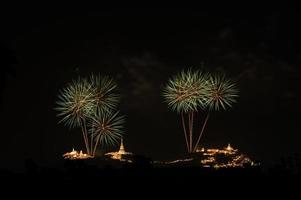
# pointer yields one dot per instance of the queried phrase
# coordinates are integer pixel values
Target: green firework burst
(75, 102)
(186, 91)
(221, 93)
(104, 93)
(107, 128)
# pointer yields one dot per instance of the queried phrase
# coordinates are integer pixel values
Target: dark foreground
(143, 173)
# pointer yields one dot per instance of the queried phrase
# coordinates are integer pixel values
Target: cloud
(141, 80)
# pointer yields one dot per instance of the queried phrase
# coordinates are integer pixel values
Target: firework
(221, 93)
(186, 91)
(85, 100)
(192, 91)
(75, 102)
(106, 128)
(104, 93)
(186, 94)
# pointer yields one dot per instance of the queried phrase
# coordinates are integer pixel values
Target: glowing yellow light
(75, 155)
(119, 154)
(229, 148)
(234, 158)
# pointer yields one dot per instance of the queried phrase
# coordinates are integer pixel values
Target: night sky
(43, 50)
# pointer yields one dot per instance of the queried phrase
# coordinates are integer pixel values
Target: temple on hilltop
(226, 150)
(227, 157)
(121, 154)
(75, 155)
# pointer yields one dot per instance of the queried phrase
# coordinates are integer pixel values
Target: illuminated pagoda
(121, 154)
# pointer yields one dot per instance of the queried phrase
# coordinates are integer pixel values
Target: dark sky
(42, 50)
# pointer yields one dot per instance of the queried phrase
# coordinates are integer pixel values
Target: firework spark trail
(83, 100)
(191, 91)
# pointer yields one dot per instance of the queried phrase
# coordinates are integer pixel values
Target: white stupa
(118, 154)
